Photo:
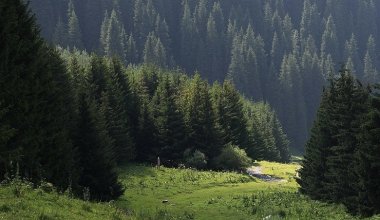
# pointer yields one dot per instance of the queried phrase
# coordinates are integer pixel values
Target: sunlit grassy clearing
(224, 195)
(191, 195)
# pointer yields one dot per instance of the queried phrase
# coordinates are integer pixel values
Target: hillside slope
(20, 201)
(168, 194)
(274, 50)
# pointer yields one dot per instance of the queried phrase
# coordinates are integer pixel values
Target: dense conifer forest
(69, 117)
(194, 85)
(277, 51)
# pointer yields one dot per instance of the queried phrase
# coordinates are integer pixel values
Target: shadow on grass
(136, 170)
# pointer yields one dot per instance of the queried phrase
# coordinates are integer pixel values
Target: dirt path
(258, 173)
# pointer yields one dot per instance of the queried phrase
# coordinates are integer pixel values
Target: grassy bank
(20, 201)
(164, 193)
(212, 195)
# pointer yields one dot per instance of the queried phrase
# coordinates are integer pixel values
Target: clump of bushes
(195, 159)
(232, 158)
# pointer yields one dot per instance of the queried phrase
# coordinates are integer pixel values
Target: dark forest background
(278, 51)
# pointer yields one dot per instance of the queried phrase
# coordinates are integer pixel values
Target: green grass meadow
(190, 194)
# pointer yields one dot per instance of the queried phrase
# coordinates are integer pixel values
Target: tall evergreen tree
(131, 50)
(314, 166)
(154, 51)
(36, 93)
(199, 118)
(119, 113)
(60, 33)
(73, 29)
(348, 109)
(96, 153)
(368, 155)
(169, 122)
(230, 115)
(113, 37)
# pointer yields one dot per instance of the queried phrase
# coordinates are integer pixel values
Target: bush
(195, 159)
(232, 158)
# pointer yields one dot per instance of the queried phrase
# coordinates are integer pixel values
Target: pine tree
(154, 51)
(199, 117)
(73, 30)
(147, 148)
(119, 113)
(281, 140)
(6, 133)
(314, 166)
(144, 87)
(104, 32)
(169, 122)
(370, 68)
(96, 153)
(267, 141)
(370, 72)
(351, 54)
(368, 155)
(348, 109)
(162, 32)
(230, 115)
(60, 33)
(37, 96)
(131, 50)
(113, 37)
(329, 39)
(97, 78)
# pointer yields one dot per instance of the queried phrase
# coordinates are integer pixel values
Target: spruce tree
(329, 39)
(281, 140)
(96, 153)
(60, 33)
(118, 111)
(230, 116)
(37, 98)
(267, 141)
(154, 51)
(115, 37)
(131, 55)
(171, 134)
(6, 133)
(368, 154)
(348, 108)
(196, 105)
(314, 166)
(73, 29)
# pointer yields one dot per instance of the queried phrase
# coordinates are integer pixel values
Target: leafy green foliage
(195, 159)
(233, 158)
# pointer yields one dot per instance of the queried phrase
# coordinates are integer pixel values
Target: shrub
(195, 159)
(232, 158)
